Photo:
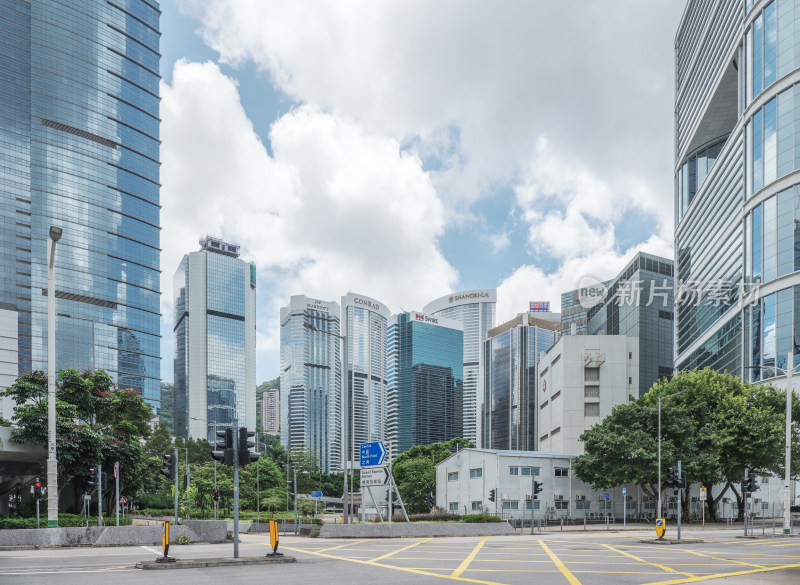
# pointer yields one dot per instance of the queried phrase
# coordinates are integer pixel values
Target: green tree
(96, 424)
(415, 471)
(306, 463)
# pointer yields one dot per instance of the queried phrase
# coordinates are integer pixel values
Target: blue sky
(407, 150)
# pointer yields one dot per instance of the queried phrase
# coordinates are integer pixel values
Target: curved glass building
(737, 183)
(79, 137)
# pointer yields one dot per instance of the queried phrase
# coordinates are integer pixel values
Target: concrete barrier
(195, 530)
(415, 530)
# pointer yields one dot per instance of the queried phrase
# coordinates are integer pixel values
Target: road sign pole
(624, 508)
(99, 495)
(389, 509)
(175, 479)
(680, 498)
(236, 488)
(116, 479)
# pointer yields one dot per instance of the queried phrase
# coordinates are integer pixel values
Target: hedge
(8, 522)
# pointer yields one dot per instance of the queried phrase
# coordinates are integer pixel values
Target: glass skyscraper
(311, 379)
(737, 204)
(511, 352)
(639, 302)
(79, 137)
(425, 365)
(364, 323)
(215, 340)
(475, 310)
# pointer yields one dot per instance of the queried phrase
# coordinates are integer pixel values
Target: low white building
(465, 479)
(580, 379)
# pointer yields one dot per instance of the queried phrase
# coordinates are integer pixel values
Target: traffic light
(671, 477)
(680, 482)
(430, 499)
(754, 487)
(170, 464)
(92, 478)
(187, 479)
(290, 485)
(492, 495)
(216, 495)
(224, 447)
(245, 444)
(537, 488)
(104, 480)
(37, 489)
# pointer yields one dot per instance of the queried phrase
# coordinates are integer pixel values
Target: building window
(591, 374)
(630, 355)
(556, 395)
(555, 431)
(473, 473)
(513, 471)
(510, 505)
(544, 437)
(582, 505)
(453, 506)
(561, 472)
(630, 505)
(649, 505)
(543, 404)
(530, 471)
(452, 476)
(630, 380)
(477, 506)
(591, 409)
(591, 391)
(562, 505)
(535, 505)
(765, 479)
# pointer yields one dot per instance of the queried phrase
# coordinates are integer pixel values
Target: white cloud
(335, 208)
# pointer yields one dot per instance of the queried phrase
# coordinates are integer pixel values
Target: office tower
(270, 411)
(425, 375)
(580, 380)
(737, 205)
(215, 340)
(639, 303)
(79, 137)
(575, 304)
(511, 352)
(475, 310)
(311, 379)
(364, 323)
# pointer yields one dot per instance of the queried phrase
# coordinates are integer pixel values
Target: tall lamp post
(659, 451)
(345, 493)
(787, 484)
(52, 461)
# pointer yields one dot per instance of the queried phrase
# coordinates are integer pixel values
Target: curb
(218, 562)
(667, 541)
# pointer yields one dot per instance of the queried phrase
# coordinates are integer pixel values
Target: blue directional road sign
(372, 454)
(624, 491)
(606, 496)
(316, 494)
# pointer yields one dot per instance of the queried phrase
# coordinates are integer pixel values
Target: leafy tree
(306, 462)
(415, 471)
(96, 424)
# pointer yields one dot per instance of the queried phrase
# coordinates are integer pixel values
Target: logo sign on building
(374, 476)
(372, 454)
(539, 307)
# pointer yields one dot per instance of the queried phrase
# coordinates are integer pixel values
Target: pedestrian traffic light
(671, 478)
(104, 480)
(680, 482)
(492, 495)
(245, 444)
(170, 464)
(224, 447)
(537, 488)
(216, 495)
(92, 478)
(747, 484)
(37, 489)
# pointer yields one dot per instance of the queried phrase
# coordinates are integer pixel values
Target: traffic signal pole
(744, 495)
(99, 495)
(235, 488)
(175, 479)
(680, 500)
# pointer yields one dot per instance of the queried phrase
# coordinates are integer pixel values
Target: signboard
(116, 469)
(539, 307)
(606, 496)
(316, 495)
(624, 492)
(702, 494)
(165, 537)
(374, 476)
(661, 527)
(372, 454)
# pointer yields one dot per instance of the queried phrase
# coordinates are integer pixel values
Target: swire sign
(425, 318)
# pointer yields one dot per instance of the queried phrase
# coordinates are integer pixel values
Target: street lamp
(52, 462)
(345, 493)
(787, 485)
(660, 489)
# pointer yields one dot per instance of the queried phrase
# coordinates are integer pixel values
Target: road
(560, 558)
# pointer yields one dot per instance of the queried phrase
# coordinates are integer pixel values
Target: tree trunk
(739, 503)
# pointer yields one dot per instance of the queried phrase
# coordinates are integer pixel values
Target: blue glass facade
(426, 381)
(79, 133)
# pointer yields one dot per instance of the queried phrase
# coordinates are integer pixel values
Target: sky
(406, 150)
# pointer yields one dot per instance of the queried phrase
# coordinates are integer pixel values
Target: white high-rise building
(310, 391)
(475, 310)
(270, 412)
(364, 323)
(215, 340)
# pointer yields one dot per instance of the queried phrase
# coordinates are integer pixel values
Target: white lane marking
(152, 550)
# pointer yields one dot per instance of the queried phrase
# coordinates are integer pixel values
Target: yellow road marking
(786, 544)
(561, 566)
(342, 545)
(708, 556)
(396, 568)
(470, 557)
(718, 575)
(641, 560)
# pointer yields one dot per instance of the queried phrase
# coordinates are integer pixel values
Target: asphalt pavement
(573, 558)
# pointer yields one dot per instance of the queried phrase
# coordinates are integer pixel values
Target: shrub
(64, 521)
(183, 539)
(480, 518)
(440, 517)
(314, 533)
